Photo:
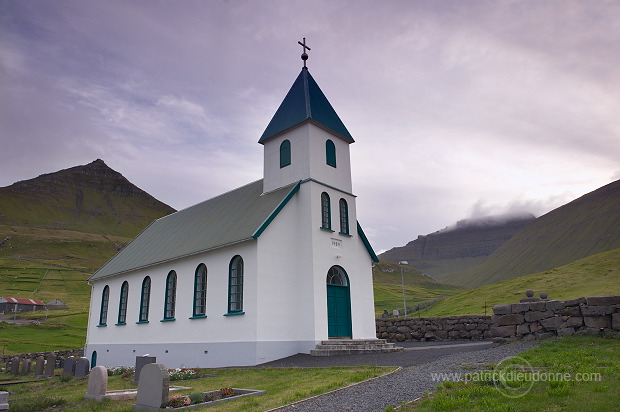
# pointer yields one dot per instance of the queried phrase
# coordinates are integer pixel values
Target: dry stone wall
(531, 319)
(535, 318)
(471, 327)
(61, 353)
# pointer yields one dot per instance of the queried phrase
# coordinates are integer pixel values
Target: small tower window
(285, 153)
(122, 304)
(330, 153)
(344, 217)
(145, 298)
(200, 291)
(326, 219)
(171, 292)
(103, 314)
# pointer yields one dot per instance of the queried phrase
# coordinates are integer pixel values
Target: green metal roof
(233, 217)
(305, 101)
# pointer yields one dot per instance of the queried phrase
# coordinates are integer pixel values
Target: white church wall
(184, 340)
(339, 176)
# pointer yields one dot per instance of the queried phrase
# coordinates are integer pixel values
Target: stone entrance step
(353, 346)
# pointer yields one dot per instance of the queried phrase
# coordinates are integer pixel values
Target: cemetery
(146, 385)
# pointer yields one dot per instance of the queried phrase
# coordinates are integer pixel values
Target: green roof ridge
(305, 101)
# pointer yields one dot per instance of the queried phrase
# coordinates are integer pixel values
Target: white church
(259, 273)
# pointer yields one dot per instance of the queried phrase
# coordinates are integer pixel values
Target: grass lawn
(574, 373)
(283, 386)
(595, 275)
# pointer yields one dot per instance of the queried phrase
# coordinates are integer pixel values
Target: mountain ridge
(581, 228)
(458, 247)
(91, 198)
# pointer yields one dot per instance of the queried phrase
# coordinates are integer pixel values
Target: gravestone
(69, 367)
(82, 367)
(97, 383)
(39, 367)
(26, 366)
(140, 362)
(50, 365)
(153, 387)
(4, 401)
(15, 366)
(60, 362)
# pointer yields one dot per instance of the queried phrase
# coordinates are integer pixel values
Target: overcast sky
(459, 108)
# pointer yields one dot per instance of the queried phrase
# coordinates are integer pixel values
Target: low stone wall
(78, 353)
(471, 327)
(535, 318)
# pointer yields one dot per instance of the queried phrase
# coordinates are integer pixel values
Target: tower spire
(304, 55)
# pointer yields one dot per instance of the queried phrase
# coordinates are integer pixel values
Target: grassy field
(283, 386)
(592, 276)
(50, 264)
(574, 373)
(419, 289)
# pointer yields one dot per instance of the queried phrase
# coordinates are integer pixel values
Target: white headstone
(153, 387)
(4, 401)
(97, 383)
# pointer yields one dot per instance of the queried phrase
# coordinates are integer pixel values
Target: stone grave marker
(50, 365)
(4, 401)
(15, 366)
(82, 367)
(69, 367)
(140, 362)
(26, 366)
(60, 362)
(39, 367)
(97, 383)
(153, 387)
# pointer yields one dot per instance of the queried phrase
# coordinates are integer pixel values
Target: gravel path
(406, 385)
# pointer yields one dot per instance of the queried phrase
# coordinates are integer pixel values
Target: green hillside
(581, 228)
(55, 231)
(92, 198)
(592, 276)
(420, 290)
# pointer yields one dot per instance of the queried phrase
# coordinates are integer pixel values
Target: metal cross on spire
(304, 55)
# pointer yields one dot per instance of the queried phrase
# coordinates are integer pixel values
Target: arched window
(344, 217)
(285, 153)
(337, 276)
(171, 293)
(103, 313)
(235, 286)
(200, 291)
(326, 217)
(122, 304)
(330, 153)
(145, 297)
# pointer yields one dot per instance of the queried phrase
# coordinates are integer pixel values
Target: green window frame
(171, 296)
(200, 292)
(344, 217)
(235, 286)
(145, 299)
(105, 300)
(326, 214)
(330, 153)
(285, 153)
(122, 304)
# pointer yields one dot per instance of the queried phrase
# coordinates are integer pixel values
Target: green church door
(338, 304)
